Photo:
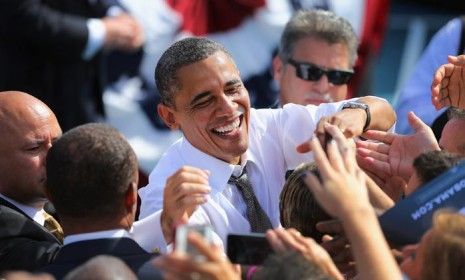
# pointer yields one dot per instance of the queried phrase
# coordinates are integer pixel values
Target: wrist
(166, 228)
(360, 106)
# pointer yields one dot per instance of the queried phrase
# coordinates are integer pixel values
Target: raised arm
(342, 194)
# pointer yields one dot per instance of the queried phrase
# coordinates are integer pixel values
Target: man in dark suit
(52, 49)
(27, 129)
(92, 181)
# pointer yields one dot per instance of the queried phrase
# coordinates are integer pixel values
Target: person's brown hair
(444, 256)
(297, 207)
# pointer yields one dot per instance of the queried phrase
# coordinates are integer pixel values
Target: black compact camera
(248, 249)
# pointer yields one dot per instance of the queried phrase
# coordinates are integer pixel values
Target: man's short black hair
(89, 170)
(182, 53)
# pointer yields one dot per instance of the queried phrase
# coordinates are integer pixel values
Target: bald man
(27, 130)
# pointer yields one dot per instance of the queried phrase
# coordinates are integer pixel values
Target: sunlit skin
(453, 137)
(318, 52)
(212, 108)
(28, 128)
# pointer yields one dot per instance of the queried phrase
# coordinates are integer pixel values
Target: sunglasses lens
(314, 73)
(339, 77)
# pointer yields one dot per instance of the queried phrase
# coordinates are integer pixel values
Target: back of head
(430, 165)
(297, 206)
(290, 266)
(319, 24)
(444, 255)
(89, 170)
(102, 268)
(181, 53)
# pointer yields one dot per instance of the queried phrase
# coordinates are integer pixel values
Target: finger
(382, 136)
(275, 242)
(363, 152)
(378, 168)
(321, 160)
(374, 146)
(336, 245)
(289, 241)
(191, 188)
(304, 147)
(334, 156)
(191, 201)
(457, 60)
(320, 131)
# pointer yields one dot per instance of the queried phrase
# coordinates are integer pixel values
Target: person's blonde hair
(444, 256)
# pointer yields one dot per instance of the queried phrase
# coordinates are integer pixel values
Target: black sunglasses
(311, 72)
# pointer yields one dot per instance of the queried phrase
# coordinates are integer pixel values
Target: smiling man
(316, 57)
(228, 169)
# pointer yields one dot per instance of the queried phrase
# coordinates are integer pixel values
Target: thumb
(415, 122)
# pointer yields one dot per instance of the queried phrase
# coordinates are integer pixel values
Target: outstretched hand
(448, 86)
(393, 154)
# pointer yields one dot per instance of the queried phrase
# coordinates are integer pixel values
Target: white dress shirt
(273, 137)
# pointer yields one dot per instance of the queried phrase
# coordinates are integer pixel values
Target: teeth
(230, 127)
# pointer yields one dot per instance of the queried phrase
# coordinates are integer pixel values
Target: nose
(226, 105)
(322, 85)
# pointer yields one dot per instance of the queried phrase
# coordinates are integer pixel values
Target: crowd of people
(311, 175)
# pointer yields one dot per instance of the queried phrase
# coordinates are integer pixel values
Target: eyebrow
(206, 93)
(199, 96)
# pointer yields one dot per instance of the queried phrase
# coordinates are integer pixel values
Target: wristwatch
(358, 105)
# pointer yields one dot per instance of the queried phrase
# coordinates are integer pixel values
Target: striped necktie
(259, 221)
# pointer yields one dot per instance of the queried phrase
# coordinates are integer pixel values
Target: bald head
(27, 129)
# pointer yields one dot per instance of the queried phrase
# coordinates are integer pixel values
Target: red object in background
(201, 17)
(374, 26)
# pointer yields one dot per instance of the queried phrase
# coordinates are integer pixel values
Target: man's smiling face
(212, 107)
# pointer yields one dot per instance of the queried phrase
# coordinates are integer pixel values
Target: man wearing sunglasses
(316, 57)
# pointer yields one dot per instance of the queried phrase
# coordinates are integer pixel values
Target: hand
(448, 87)
(178, 265)
(283, 241)
(185, 190)
(342, 188)
(393, 155)
(349, 121)
(123, 33)
(337, 245)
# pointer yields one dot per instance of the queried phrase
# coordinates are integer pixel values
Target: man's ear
(277, 68)
(130, 199)
(167, 115)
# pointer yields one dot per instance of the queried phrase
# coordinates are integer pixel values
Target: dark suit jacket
(24, 244)
(77, 253)
(40, 53)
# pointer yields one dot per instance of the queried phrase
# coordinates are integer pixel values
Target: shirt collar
(114, 233)
(220, 171)
(36, 214)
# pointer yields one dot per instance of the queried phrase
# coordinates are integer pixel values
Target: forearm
(370, 249)
(378, 198)
(383, 116)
